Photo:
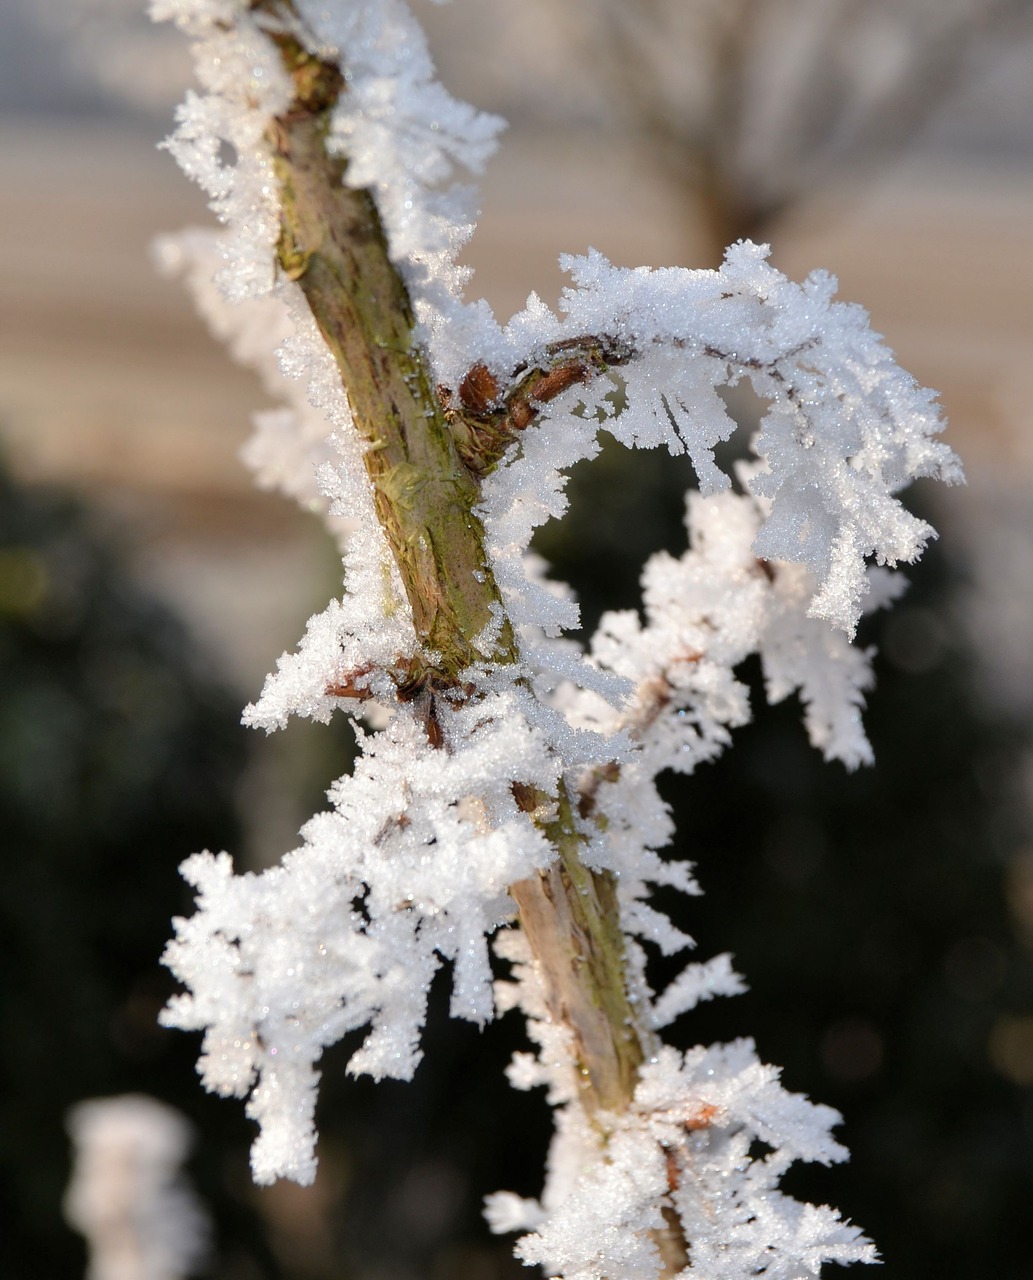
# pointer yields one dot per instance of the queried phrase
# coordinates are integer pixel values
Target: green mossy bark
(571, 918)
(333, 245)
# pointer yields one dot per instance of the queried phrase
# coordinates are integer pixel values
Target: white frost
(844, 431)
(411, 865)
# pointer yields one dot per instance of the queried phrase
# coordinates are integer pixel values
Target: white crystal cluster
(708, 1136)
(410, 866)
(845, 428)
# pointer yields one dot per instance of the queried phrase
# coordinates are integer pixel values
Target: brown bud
(346, 687)
(521, 414)
(702, 1118)
(551, 384)
(479, 390)
(525, 796)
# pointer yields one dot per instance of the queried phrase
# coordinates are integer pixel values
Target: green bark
(333, 245)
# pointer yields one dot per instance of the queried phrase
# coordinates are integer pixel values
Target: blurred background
(884, 920)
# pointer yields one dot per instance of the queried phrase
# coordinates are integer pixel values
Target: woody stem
(333, 244)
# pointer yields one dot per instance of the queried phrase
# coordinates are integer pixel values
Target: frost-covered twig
(514, 776)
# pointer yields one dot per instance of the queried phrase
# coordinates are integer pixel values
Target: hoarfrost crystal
(474, 785)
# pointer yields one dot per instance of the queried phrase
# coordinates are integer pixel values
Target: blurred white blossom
(127, 1194)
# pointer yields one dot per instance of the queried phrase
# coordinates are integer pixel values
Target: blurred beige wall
(109, 383)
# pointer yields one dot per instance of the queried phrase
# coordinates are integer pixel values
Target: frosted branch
(511, 793)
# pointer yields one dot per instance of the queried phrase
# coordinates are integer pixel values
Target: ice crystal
(708, 1136)
(410, 867)
(450, 803)
(845, 428)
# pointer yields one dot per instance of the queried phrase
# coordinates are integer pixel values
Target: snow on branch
(411, 866)
(707, 1136)
(845, 428)
(510, 792)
